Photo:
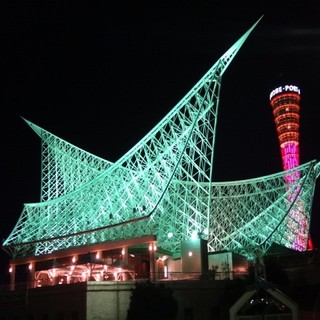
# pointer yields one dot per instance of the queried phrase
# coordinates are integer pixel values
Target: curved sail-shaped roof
(162, 186)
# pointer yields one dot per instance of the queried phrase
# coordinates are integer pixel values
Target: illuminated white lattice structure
(162, 186)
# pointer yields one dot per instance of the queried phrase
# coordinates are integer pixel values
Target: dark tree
(275, 272)
(151, 301)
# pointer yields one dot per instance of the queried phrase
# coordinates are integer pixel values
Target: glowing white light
(194, 235)
(190, 253)
(170, 235)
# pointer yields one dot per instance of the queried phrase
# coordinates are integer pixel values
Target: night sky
(101, 76)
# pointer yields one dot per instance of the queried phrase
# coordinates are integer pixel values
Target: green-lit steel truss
(163, 186)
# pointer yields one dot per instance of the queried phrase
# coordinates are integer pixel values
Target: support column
(124, 255)
(74, 260)
(152, 255)
(12, 271)
(99, 258)
(31, 275)
(259, 268)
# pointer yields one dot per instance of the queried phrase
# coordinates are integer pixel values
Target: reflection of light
(97, 255)
(206, 231)
(10, 269)
(30, 266)
(190, 254)
(152, 248)
(170, 235)
(132, 255)
(73, 259)
(123, 251)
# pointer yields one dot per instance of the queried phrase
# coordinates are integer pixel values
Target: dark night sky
(101, 76)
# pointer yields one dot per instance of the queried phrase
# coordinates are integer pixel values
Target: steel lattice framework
(162, 186)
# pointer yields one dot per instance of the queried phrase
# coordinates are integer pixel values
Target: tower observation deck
(162, 186)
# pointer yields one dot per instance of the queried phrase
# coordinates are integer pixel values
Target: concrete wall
(65, 302)
(108, 301)
(111, 300)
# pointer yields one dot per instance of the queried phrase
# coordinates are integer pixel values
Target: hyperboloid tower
(285, 103)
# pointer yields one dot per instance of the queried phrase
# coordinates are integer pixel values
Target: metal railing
(158, 276)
